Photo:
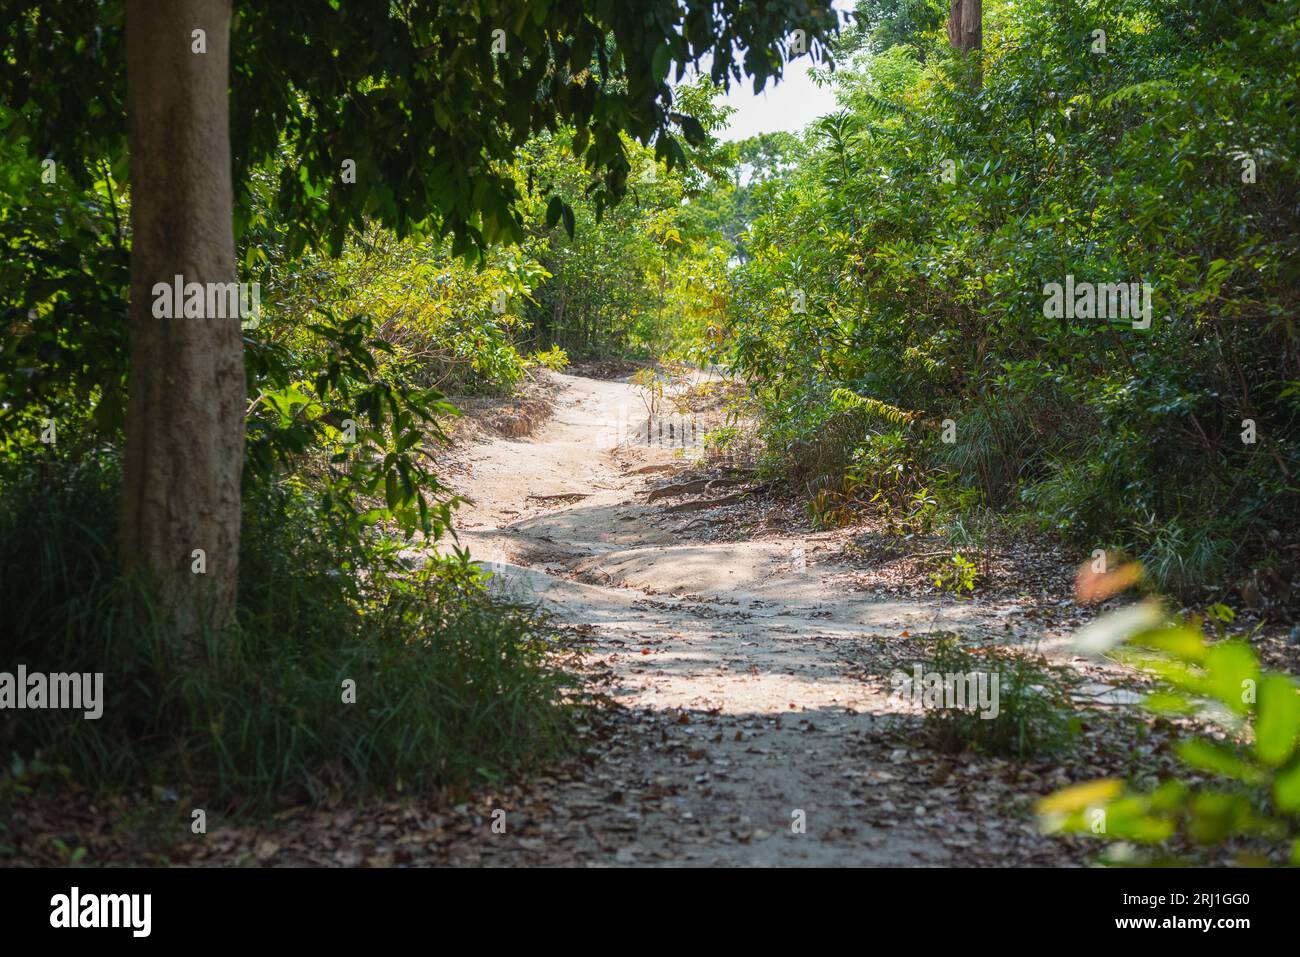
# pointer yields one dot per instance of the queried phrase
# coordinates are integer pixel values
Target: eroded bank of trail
(754, 728)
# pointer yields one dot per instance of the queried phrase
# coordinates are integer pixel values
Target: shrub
(902, 258)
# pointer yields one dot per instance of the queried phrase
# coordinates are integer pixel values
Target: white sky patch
(789, 105)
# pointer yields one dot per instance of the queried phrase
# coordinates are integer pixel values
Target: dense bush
(644, 278)
(905, 259)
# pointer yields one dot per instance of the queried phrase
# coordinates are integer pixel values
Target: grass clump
(1033, 714)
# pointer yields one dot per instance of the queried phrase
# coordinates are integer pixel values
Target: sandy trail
(743, 718)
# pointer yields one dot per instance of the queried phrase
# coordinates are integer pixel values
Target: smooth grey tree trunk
(185, 410)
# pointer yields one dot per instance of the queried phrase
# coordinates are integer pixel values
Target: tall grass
(451, 686)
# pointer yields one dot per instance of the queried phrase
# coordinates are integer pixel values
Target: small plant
(971, 528)
(922, 509)
(884, 479)
(958, 576)
(553, 358)
(835, 507)
(720, 440)
(650, 388)
(1033, 707)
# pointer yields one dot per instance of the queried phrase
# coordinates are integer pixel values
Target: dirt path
(746, 716)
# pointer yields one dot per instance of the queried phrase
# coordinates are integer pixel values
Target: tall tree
(966, 24)
(423, 101)
(966, 33)
(179, 521)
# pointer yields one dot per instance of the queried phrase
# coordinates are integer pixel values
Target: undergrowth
(450, 685)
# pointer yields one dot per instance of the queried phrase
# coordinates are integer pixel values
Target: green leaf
(1208, 756)
(1286, 789)
(1229, 666)
(661, 61)
(1183, 641)
(692, 129)
(1135, 818)
(1216, 816)
(1278, 720)
(554, 210)
(1078, 797)
(1106, 632)
(1163, 702)
(392, 496)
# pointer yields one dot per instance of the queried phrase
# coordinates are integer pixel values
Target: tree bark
(186, 387)
(966, 24)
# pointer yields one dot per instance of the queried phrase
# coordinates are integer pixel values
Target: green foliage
(903, 258)
(362, 428)
(420, 95)
(642, 278)
(554, 358)
(1033, 704)
(63, 288)
(471, 127)
(958, 575)
(882, 478)
(649, 385)
(449, 686)
(1243, 780)
(882, 25)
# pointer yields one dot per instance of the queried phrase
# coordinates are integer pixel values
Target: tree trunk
(185, 410)
(966, 24)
